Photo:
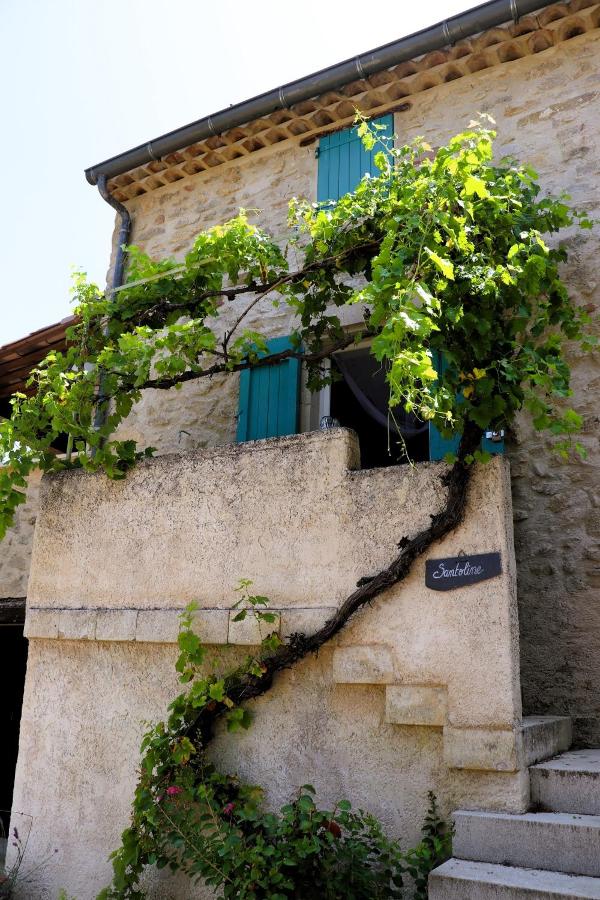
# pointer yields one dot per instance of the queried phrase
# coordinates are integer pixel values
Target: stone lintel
(304, 621)
(160, 626)
(486, 749)
(414, 704)
(116, 624)
(77, 624)
(211, 625)
(41, 623)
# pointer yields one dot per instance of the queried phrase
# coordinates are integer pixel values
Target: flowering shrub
(190, 817)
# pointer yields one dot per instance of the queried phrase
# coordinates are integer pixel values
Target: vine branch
(165, 384)
(165, 307)
(250, 687)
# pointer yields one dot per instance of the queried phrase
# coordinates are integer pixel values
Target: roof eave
(465, 24)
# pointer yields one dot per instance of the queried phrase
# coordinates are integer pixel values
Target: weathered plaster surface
(547, 110)
(309, 524)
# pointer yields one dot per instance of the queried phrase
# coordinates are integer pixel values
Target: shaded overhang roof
(18, 358)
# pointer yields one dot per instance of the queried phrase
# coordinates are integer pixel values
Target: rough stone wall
(15, 550)
(165, 223)
(420, 692)
(547, 112)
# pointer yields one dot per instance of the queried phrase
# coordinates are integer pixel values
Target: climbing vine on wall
(450, 251)
(447, 251)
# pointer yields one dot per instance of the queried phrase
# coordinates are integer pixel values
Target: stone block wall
(165, 222)
(419, 692)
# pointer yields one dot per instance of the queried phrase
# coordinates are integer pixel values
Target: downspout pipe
(117, 276)
(465, 24)
(124, 231)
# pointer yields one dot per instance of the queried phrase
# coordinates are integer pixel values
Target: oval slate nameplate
(458, 571)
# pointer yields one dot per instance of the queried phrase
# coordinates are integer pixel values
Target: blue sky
(85, 79)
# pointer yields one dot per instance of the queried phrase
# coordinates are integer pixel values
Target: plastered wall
(419, 692)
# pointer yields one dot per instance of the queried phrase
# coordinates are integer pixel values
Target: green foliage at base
(189, 817)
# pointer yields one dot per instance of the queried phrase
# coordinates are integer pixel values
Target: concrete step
(544, 736)
(560, 842)
(460, 879)
(569, 783)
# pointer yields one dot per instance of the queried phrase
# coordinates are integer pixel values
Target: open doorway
(13, 663)
(359, 400)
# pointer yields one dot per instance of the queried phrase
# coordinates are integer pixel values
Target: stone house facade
(541, 87)
(437, 708)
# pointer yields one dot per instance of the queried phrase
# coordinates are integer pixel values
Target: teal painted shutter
(268, 405)
(343, 161)
(438, 445)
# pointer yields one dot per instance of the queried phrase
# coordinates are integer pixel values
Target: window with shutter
(268, 404)
(269, 396)
(439, 446)
(343, 161)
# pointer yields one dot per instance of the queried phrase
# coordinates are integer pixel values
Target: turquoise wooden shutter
(268, 404)
(342, 161)
(438, 445)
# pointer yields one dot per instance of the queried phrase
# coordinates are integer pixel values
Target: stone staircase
(552, 851)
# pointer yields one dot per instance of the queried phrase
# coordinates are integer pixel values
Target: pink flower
(228, 809)
(174, 790)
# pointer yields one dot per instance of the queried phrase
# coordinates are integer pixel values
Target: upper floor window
(343, 161)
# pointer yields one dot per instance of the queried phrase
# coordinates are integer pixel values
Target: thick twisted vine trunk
(456, 481)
